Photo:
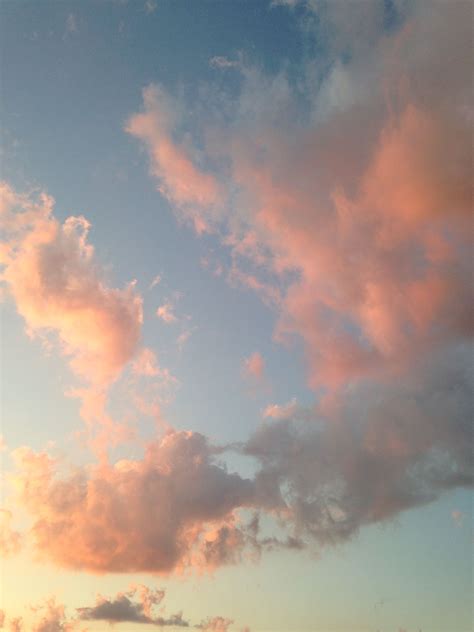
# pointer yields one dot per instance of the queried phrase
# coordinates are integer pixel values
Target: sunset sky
(236, 283)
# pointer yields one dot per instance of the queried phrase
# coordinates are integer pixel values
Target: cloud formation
(357, 213)
(157, 514)
(353, 223)
(58, 288)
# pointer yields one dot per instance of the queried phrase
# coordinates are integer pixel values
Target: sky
(236, 368)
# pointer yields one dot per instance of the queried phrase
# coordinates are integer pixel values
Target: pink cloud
(58, 289)
(147, 515)
(194, 192)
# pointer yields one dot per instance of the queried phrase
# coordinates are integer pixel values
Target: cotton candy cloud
(149, 515)
(58, 288)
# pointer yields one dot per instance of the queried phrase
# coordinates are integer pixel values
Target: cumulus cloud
(143, 515)
(319, 479)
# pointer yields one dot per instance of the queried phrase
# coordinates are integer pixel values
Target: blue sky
(288, 182)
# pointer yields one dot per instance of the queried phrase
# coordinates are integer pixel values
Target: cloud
(184, 336)
(194, 192)
(126, 608)
(49, 616)
(254, 366)
(16, 624)
(10, 540)
(215, 624)
(145, 363)
(223, 62)
(155, 281)
(275, 411)
(165, 312)
(149, 515)
(59, 289)
(52, 618)
(354, 209)
(388, 449)
(318, 479)
(355, 216)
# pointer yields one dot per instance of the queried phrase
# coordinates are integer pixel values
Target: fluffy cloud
(156, 514)
(319, 478)
(50, 271)
(356, 220)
